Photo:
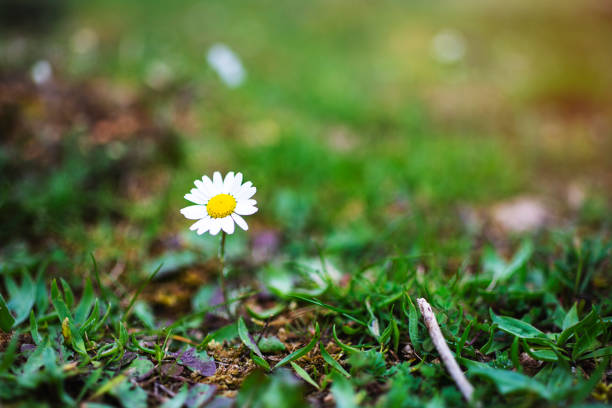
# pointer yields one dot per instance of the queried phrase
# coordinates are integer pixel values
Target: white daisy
(220, 203)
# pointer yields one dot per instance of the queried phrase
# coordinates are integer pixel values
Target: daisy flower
(220, 203)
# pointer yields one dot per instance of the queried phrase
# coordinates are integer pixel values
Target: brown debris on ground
(233, 366)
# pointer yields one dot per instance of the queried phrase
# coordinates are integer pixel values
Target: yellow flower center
(221, 205)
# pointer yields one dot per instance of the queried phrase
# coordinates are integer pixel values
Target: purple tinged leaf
(197, 361)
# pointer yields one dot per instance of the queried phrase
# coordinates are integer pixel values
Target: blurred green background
(368, 128)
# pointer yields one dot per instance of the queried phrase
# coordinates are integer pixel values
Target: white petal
(194, 212)
(248, 202)
(245, 209)
(227, 223)
(246, 191)
(198, 224)
(200, 194)
(215, 226)
(203, 189)
(240, 221)
(217, 182)
(205, 226)
(237, 182)
(245, 187)
(200, 186)
(208, 184)
(228, 182)
(195, 198)
(250, 193)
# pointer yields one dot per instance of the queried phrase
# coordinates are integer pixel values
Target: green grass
(504, 322)
(367, 154)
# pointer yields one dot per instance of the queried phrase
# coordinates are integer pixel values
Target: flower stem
(222, 274)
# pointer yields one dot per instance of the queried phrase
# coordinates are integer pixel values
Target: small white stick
(445, 354)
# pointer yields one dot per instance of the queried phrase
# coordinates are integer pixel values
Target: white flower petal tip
(240, 221)
(194, 212)
(195, 199)
(220, 203)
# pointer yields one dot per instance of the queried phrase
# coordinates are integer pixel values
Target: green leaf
(330, 360)
(143, 312)
(386, 334)
(343, 393)
(508, 382)
(260, 361)
(130, 395)
(21, 298)
(266, 314)
(502, 271)
(585, 343)
(302, 373)
(87, 300)
(123, 334)
(487, 346)
(602, 352)
(68, 295)
(9, 354)
(6, 319)
(229, 333)
(201, 300)
(91, 320)
(34, 329)
(413, 326)
(587, 388)
(90, 382)
(178, 400)
(395, 333)
(345, 347)
(516, 327)
(514, 354)
(58, 303)
(343, 312)
(102, 321)
(589, 319)
(139, 366)
(35, 361)
(463, 338)
(571, 318)
(109, 385)
(304, 350)
(271, 345)
(541, 354)
(278, 389)
(244, 335)
(76, 340)
(199, 394)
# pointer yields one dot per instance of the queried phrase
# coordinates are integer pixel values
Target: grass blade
(244, 335)
(302, 373)
(6, 319)
(330, 360)
(140, 288)
(303, 351)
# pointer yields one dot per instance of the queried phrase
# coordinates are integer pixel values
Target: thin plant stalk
(222, 274)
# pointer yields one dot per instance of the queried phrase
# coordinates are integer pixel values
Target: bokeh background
(368, 128)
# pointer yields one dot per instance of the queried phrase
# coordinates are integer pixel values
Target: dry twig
(445, 354)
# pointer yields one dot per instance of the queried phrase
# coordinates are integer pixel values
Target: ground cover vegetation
(399, 151)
